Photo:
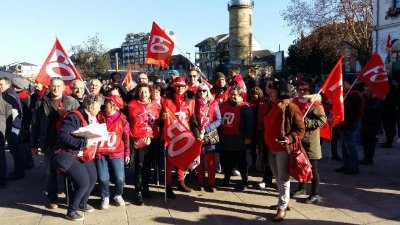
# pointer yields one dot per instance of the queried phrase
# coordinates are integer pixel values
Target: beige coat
(314, 120)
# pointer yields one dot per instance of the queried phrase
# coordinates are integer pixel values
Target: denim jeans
(349, 150)
(105, 165)
(279, 163)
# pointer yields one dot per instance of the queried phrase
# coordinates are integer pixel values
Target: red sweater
(272, 129)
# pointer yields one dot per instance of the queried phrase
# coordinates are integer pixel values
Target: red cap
(116, 100)
(179, 81)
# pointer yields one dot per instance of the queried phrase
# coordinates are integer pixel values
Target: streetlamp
(190, 60)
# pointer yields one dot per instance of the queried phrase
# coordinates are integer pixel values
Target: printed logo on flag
(57, 64)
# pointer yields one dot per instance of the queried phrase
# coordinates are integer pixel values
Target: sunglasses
(302, 89)
(202, 91)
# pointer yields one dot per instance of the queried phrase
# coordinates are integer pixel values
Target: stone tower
(240, 31)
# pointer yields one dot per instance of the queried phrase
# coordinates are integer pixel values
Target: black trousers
(368, 133)
(231, 158)
(84, 177)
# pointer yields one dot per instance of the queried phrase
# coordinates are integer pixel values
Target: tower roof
(240, 3)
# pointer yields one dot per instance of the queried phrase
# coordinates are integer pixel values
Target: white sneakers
(119, 201)
(105, 203)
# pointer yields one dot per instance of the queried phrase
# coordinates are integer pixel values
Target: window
(250, 22)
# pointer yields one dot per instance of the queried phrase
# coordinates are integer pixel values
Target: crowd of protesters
(233, 116)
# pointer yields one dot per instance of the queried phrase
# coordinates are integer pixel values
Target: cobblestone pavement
(371, 197)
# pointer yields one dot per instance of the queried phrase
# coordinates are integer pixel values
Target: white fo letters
(228, 118)
(184, 134)
(53, 63)
(157, 45)
(112, 139)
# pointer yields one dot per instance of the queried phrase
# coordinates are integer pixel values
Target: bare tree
(351, 20)
(91, 58)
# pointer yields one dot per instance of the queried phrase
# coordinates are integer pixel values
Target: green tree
(91, 58)
(350, 20)
(316, 53)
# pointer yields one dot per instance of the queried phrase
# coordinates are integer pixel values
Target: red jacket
(118, 125)
(144, 119)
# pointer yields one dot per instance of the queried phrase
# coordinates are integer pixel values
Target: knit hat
(118, 102)
(219, 75)
(174, 72)
(20, 83)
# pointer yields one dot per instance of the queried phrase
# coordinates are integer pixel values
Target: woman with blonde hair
(208, 117)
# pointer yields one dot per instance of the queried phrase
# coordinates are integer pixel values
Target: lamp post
(190, 64)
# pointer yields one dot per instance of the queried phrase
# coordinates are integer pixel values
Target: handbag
(141, 142)
(211, 138)
(299, 164)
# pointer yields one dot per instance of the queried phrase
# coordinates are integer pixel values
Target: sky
(29, 27)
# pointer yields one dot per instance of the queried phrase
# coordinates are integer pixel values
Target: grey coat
(5, 118)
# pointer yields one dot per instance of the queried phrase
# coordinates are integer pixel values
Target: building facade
(27, 70)
(386, 34)
(134, 49)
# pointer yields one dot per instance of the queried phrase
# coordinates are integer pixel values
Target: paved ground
(372, 197)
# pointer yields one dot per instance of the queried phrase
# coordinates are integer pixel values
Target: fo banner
(159, 48)
(182, 146)
(57, 64)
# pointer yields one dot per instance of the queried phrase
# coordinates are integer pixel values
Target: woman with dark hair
(282, 125)
(82, 174)
(313, 121)
(256, 98)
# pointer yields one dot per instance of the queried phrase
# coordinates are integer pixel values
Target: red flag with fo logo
(333, 89)
(181, 145)
(57, 64)
(375, 76)
(159, 48)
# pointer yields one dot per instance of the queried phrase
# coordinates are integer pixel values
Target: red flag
(159, 48)
(333, 89)
(325, 131)
(182, 146)
(374, 74)
(128, 81)
(389, 43)
(57, 64)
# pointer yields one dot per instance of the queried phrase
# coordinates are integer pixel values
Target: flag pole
(165, 175)
(312, 102)
(184, 55)
(330, 146)
(350, 89)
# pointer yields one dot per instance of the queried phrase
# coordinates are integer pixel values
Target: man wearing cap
(172, 75)
(24, 96)
(193, 80)
(220, 90)
(181, 103)
(44, 135)
(237, 79)
(114, 153)
(11, 97)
